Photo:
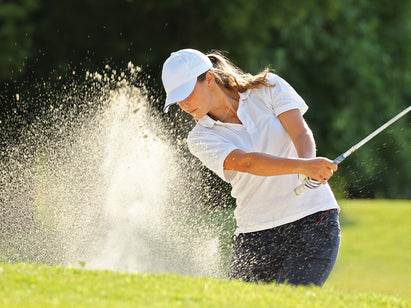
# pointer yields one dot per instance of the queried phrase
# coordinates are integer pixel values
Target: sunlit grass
(373, 270)
(23, 285)
(375, 250)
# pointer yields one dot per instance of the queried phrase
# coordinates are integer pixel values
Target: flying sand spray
(99, 184)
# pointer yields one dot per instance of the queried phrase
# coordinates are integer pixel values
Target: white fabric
(263, 202)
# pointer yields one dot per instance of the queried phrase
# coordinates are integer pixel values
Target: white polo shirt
(263, 202)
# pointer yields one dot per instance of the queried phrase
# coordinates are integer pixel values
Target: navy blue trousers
(300, 253)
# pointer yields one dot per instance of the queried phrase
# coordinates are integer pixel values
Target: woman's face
(198, 104)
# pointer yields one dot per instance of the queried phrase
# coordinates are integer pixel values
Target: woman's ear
(210, 79)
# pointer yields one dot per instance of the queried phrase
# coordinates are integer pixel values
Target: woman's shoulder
(280, 84)
(200, 131)
(275, 79)
(205, 130)
(264, 90)
(272, 79)
(271, 76)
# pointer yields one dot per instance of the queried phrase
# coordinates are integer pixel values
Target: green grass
(373, 270)
(375, 252)
(23, 285)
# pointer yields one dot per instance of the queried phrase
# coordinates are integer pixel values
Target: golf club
(298, 190)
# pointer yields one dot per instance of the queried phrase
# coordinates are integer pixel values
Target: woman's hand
(319, 169)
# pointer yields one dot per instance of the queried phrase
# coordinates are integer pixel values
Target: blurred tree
(351, 65)
(15, 36)
(348, 59)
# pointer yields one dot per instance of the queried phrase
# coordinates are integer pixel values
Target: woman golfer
(250, 131)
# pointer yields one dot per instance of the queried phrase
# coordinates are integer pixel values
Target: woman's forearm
(260, 164)
(269, 165)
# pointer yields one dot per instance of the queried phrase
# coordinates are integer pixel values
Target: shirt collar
(208, 122)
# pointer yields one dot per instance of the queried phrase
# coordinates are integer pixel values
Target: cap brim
(179, 94)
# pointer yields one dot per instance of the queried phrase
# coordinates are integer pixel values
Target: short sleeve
(284, 97)
(212, 150)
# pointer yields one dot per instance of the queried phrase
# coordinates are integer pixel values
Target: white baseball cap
(180, 72)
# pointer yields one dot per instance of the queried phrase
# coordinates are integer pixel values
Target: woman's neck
(226, 108)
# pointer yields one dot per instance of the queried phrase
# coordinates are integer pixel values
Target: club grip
(298, 190)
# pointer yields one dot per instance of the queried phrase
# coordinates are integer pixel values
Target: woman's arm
(269, 165)
(299, 133)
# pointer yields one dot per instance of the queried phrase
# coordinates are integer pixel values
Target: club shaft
(343, 156)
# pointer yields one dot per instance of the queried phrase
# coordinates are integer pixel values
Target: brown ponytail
(232, 77)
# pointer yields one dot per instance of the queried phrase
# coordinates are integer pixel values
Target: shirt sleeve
(284, 97)
(212, 150)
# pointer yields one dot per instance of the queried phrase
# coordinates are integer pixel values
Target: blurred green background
(348, 59)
